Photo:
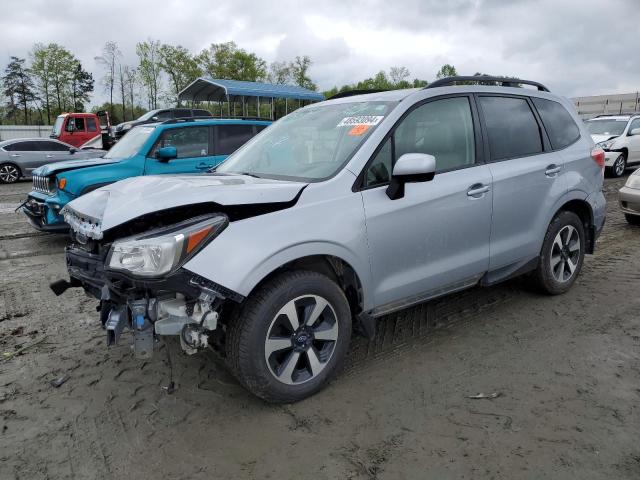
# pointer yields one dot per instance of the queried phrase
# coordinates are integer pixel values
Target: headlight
(607, 144)
(162, 251)
(633, 181)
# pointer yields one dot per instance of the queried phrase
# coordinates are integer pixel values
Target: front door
(194, 145)
(634, 142)
(435, 238)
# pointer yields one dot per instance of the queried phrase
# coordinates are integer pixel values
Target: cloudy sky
(576, 47)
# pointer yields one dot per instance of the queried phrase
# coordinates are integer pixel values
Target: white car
(619, 137)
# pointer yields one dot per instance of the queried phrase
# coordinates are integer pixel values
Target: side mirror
(73, 150)
(167, 153)
(635, 131)
(410, 167)
(155, 118)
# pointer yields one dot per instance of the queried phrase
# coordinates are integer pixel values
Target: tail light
(598, 156)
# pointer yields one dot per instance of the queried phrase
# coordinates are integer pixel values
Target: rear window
(513, 130)
(231, 137)
(558, 123)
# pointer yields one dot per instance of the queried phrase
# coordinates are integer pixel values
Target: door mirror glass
(166, 153)
(73, 150)
(411, 167)
(635, 131)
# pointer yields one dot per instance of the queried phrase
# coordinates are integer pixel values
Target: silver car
(20, 156)
(336, 215)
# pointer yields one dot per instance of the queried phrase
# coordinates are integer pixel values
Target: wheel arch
(332, 266)
(582, 209)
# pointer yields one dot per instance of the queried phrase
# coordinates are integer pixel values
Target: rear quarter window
(558, 123)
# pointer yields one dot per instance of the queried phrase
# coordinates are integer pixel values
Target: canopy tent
(206, 89)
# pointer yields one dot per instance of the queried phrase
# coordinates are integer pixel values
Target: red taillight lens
(598, 156)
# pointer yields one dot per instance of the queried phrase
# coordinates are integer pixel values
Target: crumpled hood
(122, 201)
(57, 167)
(602, 138)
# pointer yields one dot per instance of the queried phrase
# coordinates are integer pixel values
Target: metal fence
(615, 104)
(7, 132)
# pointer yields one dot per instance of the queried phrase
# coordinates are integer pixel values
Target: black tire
(632, 219)
(247, 335)
(619, 166)
(546, 276)
(9, 173)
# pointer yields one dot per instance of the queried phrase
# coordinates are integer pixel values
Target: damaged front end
(141, 284)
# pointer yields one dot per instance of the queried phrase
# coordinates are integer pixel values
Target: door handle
(49, 156)
(477, 190)
(552, 170)
(203, 166)
(15, 154)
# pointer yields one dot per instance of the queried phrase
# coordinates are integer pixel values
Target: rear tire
(274, 358)
(9, 173)
(562, 254)
(632, 219)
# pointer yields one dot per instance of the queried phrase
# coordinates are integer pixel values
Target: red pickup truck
(78, 128)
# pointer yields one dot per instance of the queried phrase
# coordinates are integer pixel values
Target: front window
(147, 116)
(606, 127)
(309, 144)
(130, 143)
(57, 126)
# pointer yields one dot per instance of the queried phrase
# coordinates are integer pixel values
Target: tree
(226, 60)
(399, 75)
(130, 77)
(299, 68)
(446, 71)
(110, 58)
(81, 88)
(181, 67)
(149, 70)
(279, 73)
(18, 87)
(40, 73)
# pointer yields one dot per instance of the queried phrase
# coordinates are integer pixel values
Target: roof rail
(503, 81)
(193, 119)
(351, 93)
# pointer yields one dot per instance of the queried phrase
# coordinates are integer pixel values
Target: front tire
(562, 254)
(291, 336)
(619, 166)
(9, 173)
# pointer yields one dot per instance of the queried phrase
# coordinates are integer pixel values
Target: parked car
(19, 157)
(619, 137)
(340, 213)
(160, 115)
(79, 128)
(629, 197)
(175, 146)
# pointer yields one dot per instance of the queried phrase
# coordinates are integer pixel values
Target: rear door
(53, 151)
(194, 146)
(435, 239)
(26, 155)
(527, 178)
(228, 138)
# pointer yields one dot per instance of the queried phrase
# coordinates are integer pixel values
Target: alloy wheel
(565, 253)
(619, 166)
(9, 174)
(301, 339)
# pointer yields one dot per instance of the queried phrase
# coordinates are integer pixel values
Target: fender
(566, 198)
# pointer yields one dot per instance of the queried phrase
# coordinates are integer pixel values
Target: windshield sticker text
(360, 120)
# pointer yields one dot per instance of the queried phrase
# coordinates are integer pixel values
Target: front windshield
(147, 116)
(606, 127)
(57, 126)
(130, 144)
(310, 144)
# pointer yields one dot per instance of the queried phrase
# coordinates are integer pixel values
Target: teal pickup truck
(174, 146)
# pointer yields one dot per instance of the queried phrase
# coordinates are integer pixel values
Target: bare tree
(110, 58)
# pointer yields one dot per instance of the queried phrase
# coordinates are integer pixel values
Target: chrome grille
(43, 184)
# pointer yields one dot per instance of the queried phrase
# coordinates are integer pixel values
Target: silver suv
(337, 214)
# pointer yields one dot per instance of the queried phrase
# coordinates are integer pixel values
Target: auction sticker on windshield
(360, 120)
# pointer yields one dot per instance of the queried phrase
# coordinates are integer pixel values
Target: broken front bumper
(182, 303)
(44, 214)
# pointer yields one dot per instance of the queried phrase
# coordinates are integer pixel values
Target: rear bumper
(629, 199)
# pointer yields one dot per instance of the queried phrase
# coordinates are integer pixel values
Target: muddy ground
(567, 370)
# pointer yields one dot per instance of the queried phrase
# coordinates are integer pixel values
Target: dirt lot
(567, 370)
